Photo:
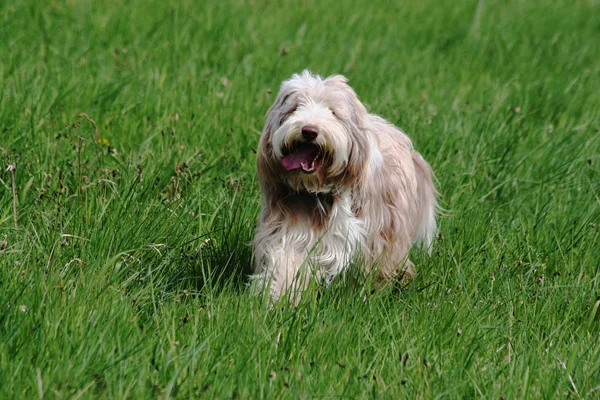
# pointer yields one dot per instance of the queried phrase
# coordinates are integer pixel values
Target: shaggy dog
(337, 183)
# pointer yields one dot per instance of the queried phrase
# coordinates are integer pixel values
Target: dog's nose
(309, 133)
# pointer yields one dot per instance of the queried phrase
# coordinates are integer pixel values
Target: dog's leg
(289, 276)
(283, 270)
(395, 266)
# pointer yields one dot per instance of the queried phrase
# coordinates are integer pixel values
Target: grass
(124, 276)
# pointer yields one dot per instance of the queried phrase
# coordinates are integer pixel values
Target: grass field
(123, 273)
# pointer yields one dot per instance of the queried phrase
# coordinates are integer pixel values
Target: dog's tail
(426, 228)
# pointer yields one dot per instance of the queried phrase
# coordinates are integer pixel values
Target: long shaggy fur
(371, 195)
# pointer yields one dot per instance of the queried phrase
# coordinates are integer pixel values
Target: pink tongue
(305, 154)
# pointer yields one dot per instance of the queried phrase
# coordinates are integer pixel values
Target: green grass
(125, 277)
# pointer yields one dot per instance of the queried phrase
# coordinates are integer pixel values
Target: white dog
(337, 183)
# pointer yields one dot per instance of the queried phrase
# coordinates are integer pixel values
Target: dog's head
(314, 135)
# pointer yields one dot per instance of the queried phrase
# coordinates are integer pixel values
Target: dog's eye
(286, 115)
(286, 98)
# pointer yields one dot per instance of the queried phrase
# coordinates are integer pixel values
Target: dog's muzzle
(304, 155)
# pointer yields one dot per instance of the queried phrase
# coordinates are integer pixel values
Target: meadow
(128, 197)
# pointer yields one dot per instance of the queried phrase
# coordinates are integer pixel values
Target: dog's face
(312, 139)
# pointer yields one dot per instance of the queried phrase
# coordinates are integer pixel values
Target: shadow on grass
(222, 257)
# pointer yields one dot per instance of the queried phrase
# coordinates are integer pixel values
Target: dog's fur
(370, 195)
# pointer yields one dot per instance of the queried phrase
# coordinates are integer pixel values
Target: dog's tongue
(304, 155)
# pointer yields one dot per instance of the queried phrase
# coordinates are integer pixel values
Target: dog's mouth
(306, 156)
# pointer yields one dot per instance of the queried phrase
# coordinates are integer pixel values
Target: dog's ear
(270, 124)
(359, 130)
(359, 154)
(268, 176)
(268, 172)
(358, 112)
(282, 107)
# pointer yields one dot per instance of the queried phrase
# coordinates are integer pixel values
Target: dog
(337, 184)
